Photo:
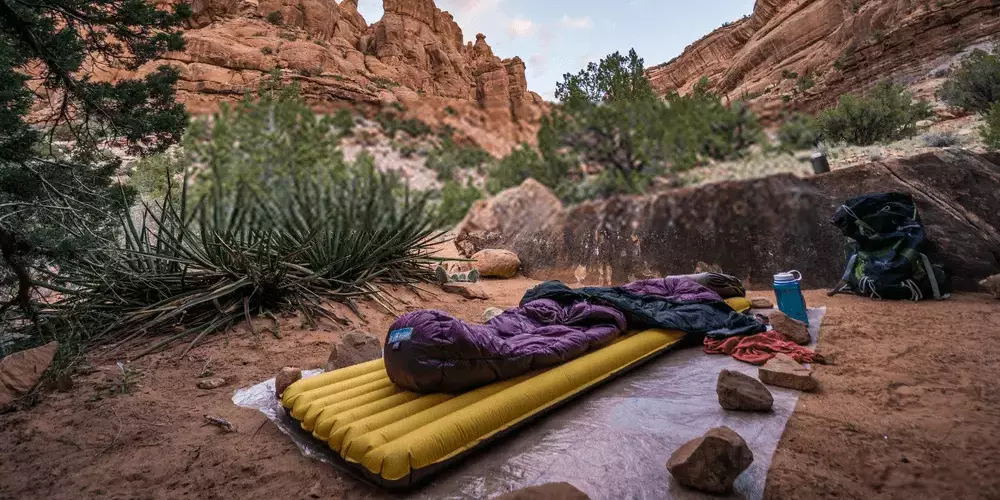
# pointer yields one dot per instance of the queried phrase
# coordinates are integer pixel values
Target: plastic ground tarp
(611, 443)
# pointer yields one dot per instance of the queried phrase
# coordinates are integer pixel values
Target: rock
(795, 330)
(782, 36)
(286, 377)
(991, 285)
(711, 463)
(497, 263)
(19, 372)
(761, 303)
(550, 491)
(467, 290)
(211, 383)
(353, 348)
(415, 54)
(490, 313)
(741, 392)
(783, 371)
(924, 123)
(777, 222)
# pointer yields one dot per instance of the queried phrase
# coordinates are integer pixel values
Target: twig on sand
(221, 423)
(117, 435)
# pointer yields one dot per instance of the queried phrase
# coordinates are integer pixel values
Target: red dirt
(908, 410)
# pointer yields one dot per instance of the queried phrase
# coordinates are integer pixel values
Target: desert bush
(990, 130)
(267, 218)
(940, 139)
(798, 132)
(975, 81)
(275, 18)
(887, 113)
(391, 123)
(455, 201)
(450, 156)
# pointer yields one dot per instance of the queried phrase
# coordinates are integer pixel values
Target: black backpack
(886, 248)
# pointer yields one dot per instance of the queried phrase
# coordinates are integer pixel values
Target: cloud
(520, 27)
(475, 7)
(576, 22)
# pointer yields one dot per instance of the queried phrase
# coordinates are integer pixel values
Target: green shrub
(805, 82)
(788, 75)
(343, 122)
(799, 132)
(887, 113)
(392, 123)
(518, 166)
(975, 82)
(275, 18)
(273, 220)
(455, 202)
(990, 129)
(152, 175)
(450, 110)
(450, 156)
(266, 51)
(940, 139)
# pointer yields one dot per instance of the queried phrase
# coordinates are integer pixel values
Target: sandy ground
(908, 410)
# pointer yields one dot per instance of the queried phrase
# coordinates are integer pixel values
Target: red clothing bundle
(757, 349)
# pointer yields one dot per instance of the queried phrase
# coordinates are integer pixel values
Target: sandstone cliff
(414, 55)
(843, 45)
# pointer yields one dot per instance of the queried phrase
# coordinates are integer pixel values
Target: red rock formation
(844, 45)
(414, 55)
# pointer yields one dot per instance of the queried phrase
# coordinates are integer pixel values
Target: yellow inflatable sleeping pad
(397, 438)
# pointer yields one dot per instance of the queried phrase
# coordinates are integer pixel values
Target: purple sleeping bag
(430, 351)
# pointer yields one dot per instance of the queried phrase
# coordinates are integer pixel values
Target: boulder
(741, 392)
(490, 313)
(353, 348)
(711, 463)
(761, 303)
(991, 285)
(286, 377)
(467, 290)
(795, 330)
(19, 372)
(550, 491)
(211, 383)
(497, 263)
(776, 222)
(783, 371)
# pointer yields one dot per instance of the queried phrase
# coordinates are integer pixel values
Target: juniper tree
(57, 192)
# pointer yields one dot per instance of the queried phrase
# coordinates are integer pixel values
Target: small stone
(783, 371)
(549, 491)
(497, 263)
(19, 372)
(316, 491)
(286, 377)
(711, 463)
(490, 313)
(354, 348)
(795, 330)
(924, 123)
(211, 383)
(741, 392)
(991, 285)
(761, 303)
(467, 290)
(64, 383)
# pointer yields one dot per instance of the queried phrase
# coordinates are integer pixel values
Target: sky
(555, 37)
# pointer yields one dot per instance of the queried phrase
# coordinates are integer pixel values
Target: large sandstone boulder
(843, 49)
(711, 463)
(750, 228)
